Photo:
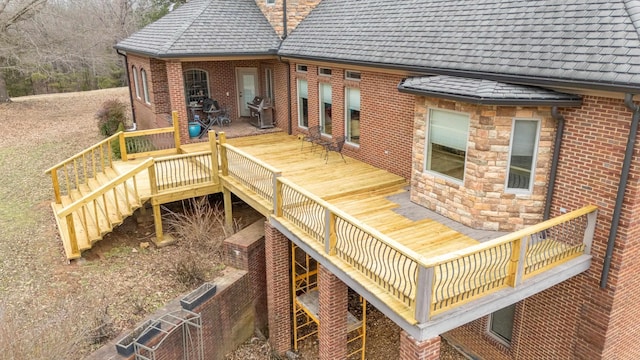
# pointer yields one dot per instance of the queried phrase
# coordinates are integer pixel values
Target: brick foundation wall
(480, 201)
(296, 12)
(386, 115)
(278, 259)
(576, 319)
(411, 349)
(245, 250)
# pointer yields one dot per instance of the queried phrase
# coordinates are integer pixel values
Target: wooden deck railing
(428, 286)
(90, 209)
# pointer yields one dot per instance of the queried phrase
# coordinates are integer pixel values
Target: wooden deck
(358, 189)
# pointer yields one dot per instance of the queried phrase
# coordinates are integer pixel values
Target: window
(325, 108)
(196, 85)
(136, 85)
(271, 2)
(303, 103)
(145, 86)
(523, 149)
(301, 68)
(324, 71)
(352, 117)
(446, 148)
(268, 81)
(501, 324)
(352, 75)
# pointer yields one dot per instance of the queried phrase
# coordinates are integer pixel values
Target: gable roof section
(486, 92)
(206, 28)
(566, 42)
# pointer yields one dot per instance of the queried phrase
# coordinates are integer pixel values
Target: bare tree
(13, 12)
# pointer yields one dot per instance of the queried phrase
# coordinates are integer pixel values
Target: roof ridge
(179, 33)
(633, 9)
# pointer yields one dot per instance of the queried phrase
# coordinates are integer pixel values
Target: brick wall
(411, 349)
(480, 201)
(386, 115)
(278, 259)
(145, 113)
(577, 319)
(297, 10)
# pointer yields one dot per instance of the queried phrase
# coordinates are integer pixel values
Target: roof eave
(478, 100)
(158, 55)
(518, 79)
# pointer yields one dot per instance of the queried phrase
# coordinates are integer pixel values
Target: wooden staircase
(95, 207)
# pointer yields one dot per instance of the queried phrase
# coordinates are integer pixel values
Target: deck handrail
(69, 209)
(510, 237)
(83, 152)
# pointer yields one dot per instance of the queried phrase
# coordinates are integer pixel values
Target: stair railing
(97, 202)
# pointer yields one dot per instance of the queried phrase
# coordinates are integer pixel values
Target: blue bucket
(194, 129)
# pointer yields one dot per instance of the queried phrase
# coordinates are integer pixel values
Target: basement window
(501, 324)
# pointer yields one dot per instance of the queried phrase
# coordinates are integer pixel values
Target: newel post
(517, 261)
(56, 186)
(123, 146)
(589, 231)
(214, 159)
(424, 294)
(277, 194)
(73, 239)
(223, 154)
(176, 130)
(330, 237)
(157, 215)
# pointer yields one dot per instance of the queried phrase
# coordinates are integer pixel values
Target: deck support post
(333, 310)
(278, 260)
(161, 239)
(413, 349)
(228, 208)
(176, 130)
(423, 294)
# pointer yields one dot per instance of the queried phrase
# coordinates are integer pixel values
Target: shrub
(111, 115)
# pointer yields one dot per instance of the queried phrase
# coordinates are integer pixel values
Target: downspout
(284, 36)
(622, 187)
(126, 67)
(554, 162)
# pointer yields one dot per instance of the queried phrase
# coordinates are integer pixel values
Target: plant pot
(194, 129)
(141, 334)
(198, 296)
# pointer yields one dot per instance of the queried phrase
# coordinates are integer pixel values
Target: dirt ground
(65, 310)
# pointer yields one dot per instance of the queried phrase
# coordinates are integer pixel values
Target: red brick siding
(277, 256)
(386, 116)
(177, 97)
(332, 330)
(281, 101)
(411, 349)
(577, 319)
(144, 113)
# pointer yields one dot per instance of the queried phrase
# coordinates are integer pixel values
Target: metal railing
(183, 170)
(248, 171)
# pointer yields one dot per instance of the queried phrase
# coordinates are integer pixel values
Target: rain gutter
(554, 161)
(126, 67)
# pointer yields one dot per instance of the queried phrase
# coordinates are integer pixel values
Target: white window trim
(298, 68)
(268, 80)
(207, 87)
(347, 77)
(528, 191)
(145, 86)
(324, 68)
(426, 148)
(136, 83)
(300, 104)
(321, 109)
(346, 115)
(270, 2)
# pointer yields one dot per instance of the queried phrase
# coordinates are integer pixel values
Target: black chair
(211, 108)
(337, 147)
(313, 136)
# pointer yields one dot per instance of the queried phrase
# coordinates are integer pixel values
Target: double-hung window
(325, 108)
(523, 148)
(446, 148)
(303, 103)
(352, 107)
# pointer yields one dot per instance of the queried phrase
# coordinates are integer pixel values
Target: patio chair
(313, 136)
(337, 147)
(211, 108)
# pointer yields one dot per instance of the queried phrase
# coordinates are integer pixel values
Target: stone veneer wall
(297, 10)
(480, 201)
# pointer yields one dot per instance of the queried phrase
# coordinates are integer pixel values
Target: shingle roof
(566, 41)
(206, 28)
(487, 92)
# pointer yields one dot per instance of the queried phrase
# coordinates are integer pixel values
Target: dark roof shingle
(570, 41)
(206, 28)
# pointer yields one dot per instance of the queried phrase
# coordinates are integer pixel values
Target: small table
(193, 109)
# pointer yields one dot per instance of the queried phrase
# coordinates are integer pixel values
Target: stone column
(333, 307)
(412, 349)
(278, 259)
